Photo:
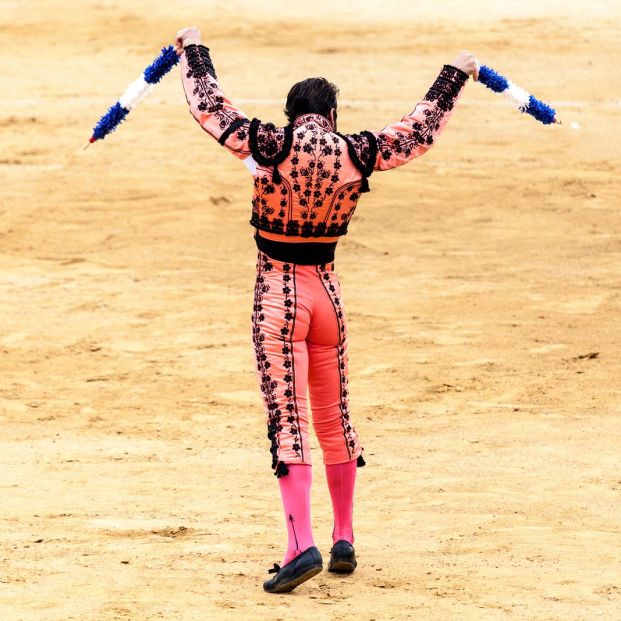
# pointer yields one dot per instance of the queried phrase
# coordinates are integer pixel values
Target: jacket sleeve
(208, 104)
(417, 132)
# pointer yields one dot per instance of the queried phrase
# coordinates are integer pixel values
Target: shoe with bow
(295, 572)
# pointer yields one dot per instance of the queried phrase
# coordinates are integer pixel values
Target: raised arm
(418, 131)
(208, 104)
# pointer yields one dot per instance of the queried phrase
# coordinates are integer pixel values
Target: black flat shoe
(295, 572)
(342, 558)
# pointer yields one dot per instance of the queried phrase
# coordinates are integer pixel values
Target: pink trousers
(300, 342)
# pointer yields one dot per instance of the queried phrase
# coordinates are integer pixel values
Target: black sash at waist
(301, 253)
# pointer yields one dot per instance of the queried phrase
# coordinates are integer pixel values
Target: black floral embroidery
(264, 205)
(404, 144)
(444, 91)
(319, 119)
(312, 180)
(338, 217)
(362, 150)
(424, 132)
(349, 433)
(270, 145)
(239, 127)
(315, 182)
(268, 385)
(200, 69)
(289, 290)
(293, 227)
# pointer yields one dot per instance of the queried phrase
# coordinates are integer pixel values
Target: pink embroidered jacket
(307, 177)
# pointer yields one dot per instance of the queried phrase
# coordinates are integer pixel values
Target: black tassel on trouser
(281, 470)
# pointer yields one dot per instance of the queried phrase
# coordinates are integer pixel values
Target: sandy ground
(482, 284)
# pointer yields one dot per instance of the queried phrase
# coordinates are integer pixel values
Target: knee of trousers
(337, 437)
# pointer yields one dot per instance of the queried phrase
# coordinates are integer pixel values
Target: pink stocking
(341, 481)
(295, 492)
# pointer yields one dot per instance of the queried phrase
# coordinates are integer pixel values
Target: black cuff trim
(459, 71)
(199, 61)
(446, 88)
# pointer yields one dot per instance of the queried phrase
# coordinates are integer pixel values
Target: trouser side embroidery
(267, 383)
(330, 289)
(287, 331)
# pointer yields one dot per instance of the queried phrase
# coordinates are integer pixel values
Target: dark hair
(313, 95)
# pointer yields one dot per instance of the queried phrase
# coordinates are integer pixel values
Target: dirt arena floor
(483, 289)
